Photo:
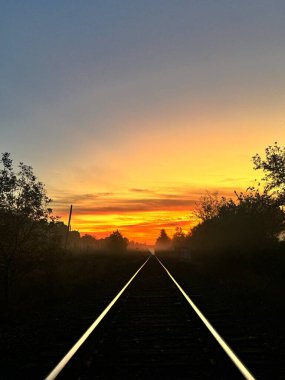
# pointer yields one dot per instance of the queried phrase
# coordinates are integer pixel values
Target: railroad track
(151, 330)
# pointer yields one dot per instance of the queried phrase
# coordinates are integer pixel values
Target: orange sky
(149, 181)
(140, 212)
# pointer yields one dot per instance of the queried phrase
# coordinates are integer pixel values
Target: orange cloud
(138, 218)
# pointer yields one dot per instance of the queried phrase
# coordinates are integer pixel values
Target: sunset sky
(132, 109)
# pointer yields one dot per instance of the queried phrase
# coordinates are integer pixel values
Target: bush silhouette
(251, 221)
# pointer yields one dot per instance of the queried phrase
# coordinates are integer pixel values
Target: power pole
(68, 227)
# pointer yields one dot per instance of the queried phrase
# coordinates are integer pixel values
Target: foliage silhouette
(24, 214)
(116, 242)
(179, 240)
(209, 206)
(163, 242)
(88, 241)
(251, 221)
(274, 168)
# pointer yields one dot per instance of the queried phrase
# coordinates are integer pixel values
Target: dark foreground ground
(48, 312)
(245, 304)
(151, 333)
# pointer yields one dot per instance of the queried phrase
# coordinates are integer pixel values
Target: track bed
(151, 333)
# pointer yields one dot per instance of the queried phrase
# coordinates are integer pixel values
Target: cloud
(141, 190)
(139, 213)
(67, 198)
(236, 180)
(159, 224)
(114, 206)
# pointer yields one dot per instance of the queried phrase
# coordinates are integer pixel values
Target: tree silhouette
(116, 242)
(163, 242)
(209, 206)
(179, 240)
(24, 214)
(274, 168)
(88, 242)
(251, 221)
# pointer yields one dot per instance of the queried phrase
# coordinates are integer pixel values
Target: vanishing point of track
(151, 330)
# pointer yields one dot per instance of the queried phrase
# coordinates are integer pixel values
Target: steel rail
(238, 363)
(59, 367)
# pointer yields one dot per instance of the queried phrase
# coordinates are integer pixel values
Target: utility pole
(68, 227)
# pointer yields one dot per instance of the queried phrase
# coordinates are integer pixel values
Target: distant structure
(68, 227)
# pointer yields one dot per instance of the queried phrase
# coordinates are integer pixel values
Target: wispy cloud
(134, 190)
(139, 213)
(90, 204)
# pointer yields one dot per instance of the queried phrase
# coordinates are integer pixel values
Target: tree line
(29, 233)
(249, 222)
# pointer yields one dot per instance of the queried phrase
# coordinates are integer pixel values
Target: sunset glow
(132, 119)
